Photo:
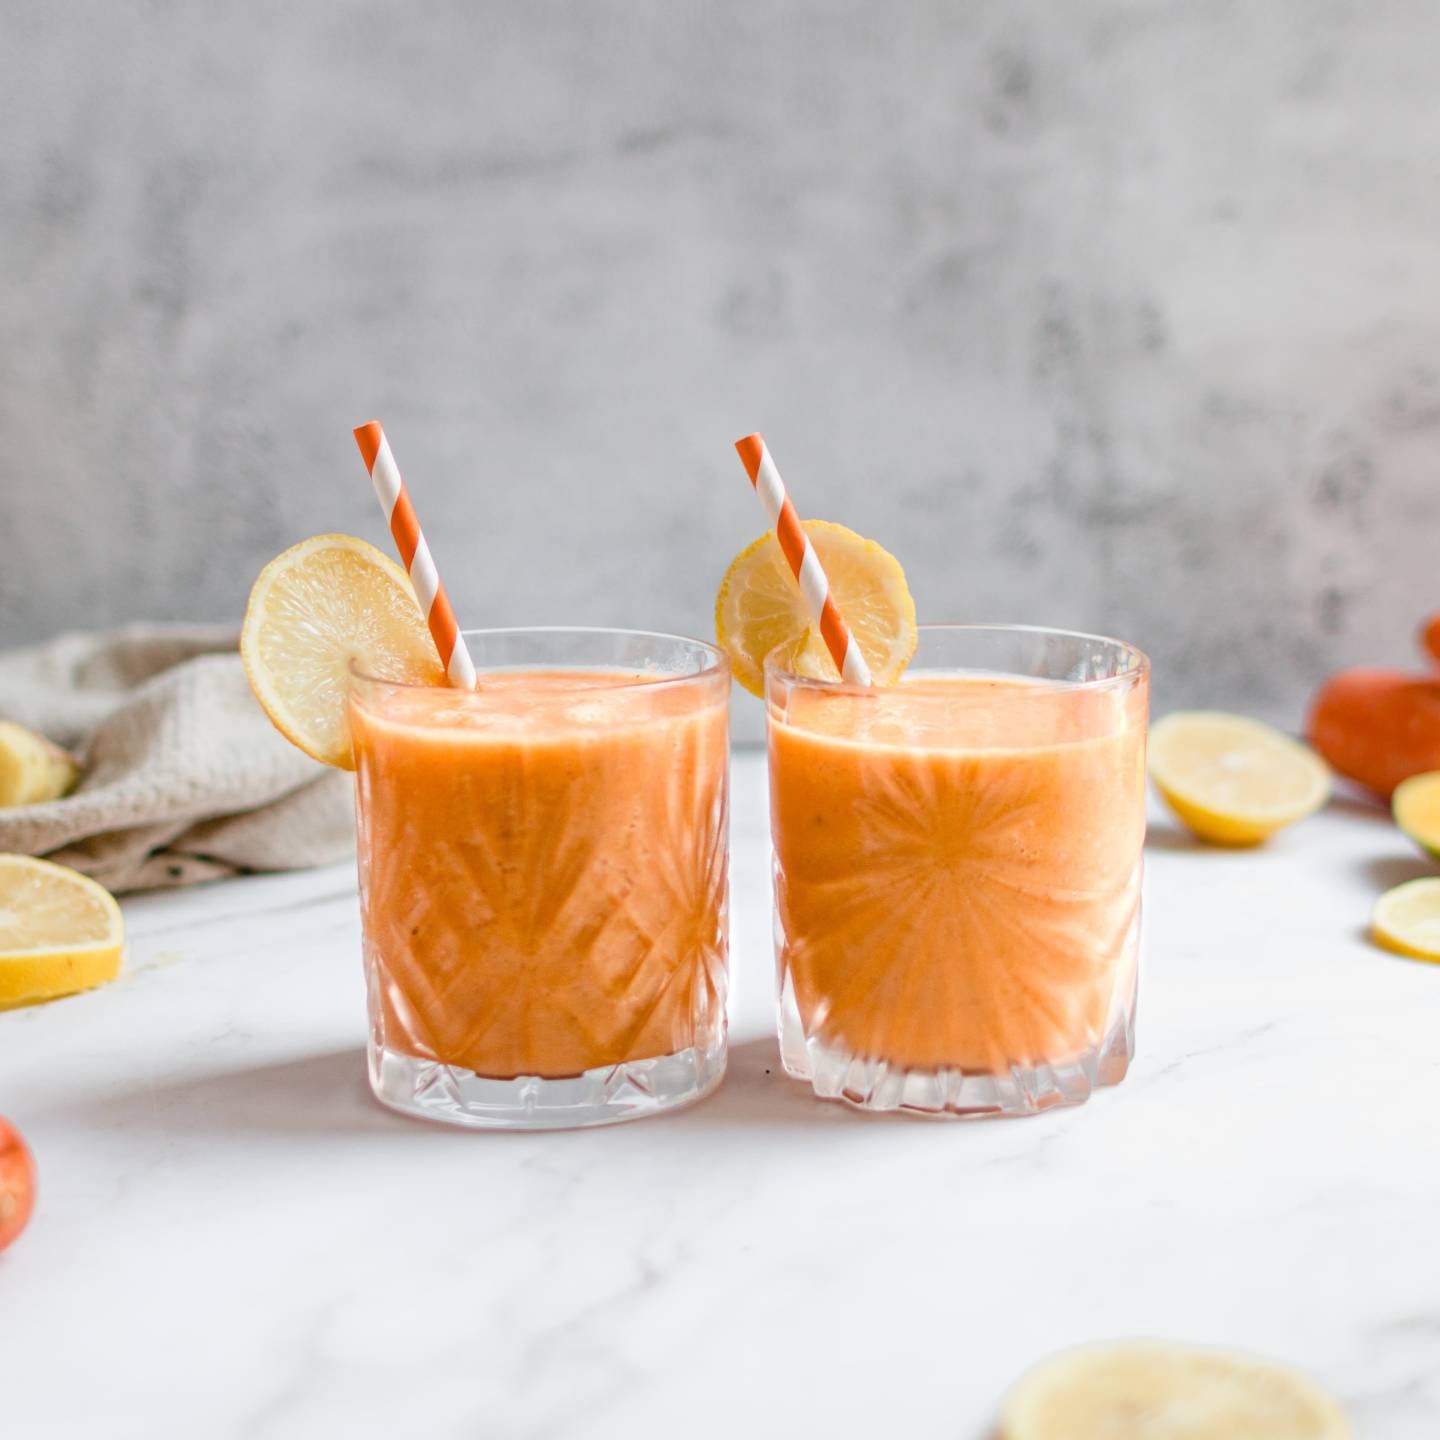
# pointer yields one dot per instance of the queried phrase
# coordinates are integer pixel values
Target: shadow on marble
(328, 1094)
(325, 1094)
(1172, 837)
(1391, 870)
(1351, 800)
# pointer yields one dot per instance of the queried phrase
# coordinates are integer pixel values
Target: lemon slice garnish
(323, 603)
(760, 609)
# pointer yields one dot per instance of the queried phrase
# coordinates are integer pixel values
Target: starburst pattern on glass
(544, 879)
(957, 872)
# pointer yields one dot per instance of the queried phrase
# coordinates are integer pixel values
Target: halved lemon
(1233, 780)
(1416, 807)
(59, 931)
(760, 608)
(1406, 920)
(323, 603)
(1146, 1390)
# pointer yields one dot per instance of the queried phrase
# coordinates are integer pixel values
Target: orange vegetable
(1430, 636)
(17, 1183)
(1378, 726)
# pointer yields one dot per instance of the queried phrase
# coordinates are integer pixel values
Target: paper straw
(804, 562)
(415, 555)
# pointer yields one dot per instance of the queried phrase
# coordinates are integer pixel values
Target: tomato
(17, 1183)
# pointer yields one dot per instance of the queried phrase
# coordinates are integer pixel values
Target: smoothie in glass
(957, 872)
(543, 878)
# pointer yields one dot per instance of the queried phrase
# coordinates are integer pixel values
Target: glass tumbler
(543, 879)
(957, 872)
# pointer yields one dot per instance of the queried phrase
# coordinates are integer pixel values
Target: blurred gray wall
(1110, 315)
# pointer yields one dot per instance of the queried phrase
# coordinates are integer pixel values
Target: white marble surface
(233, 1241)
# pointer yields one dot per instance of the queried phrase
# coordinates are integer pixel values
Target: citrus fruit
(324, 603)
(760, 609)
(1430, 637)
(32, 770)
(1406, 919)
(1416, 807)
(17, 1183)
(1151, 1391)
(1233, 780)
(59, 931)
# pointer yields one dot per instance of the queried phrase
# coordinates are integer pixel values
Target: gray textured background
(1108, 315)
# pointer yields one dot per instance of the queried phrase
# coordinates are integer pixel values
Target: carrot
(1430, 636)
(1378, 726)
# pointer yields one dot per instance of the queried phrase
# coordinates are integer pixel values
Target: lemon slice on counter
(1151, 1391)
(760, 608)
(59, 931)
(1416, 807)
(32, 770)
(323, 603)
(1233, 780)
(1406, 920)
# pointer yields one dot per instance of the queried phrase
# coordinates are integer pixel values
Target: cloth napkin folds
(184, 778)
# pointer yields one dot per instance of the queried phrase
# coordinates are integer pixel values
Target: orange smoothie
(543, 867)
(958, 866)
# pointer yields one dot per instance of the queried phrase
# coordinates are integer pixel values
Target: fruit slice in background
(1416, 807)
(17, 1183)
(323, 603)
(1378, 727)
(1406, 920)
(32, 770)
(1233, 780)
(1150, 1391)
(59, 931)
(1430, 637)
(760, 608)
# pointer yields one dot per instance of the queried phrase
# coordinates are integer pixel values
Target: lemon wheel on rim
(324, 603)
(760, 609)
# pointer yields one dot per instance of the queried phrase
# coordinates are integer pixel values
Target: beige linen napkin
(184, 777)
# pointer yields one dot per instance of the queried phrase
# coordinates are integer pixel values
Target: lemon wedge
(1406, 920)
(59, 931)
(760, 609)
(32, 770)
(1233, 780)
(323, 603)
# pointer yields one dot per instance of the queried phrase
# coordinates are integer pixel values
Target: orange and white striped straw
(804, 562)
(415, 555)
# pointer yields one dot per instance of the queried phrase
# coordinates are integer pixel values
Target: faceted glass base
(953, 1094)
(604, 1096)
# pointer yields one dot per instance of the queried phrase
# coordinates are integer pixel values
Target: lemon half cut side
(60, 931)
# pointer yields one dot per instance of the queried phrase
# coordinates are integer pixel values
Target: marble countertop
(233, 1240)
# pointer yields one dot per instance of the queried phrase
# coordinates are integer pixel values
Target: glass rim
(717, 662)
(1139, 661)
